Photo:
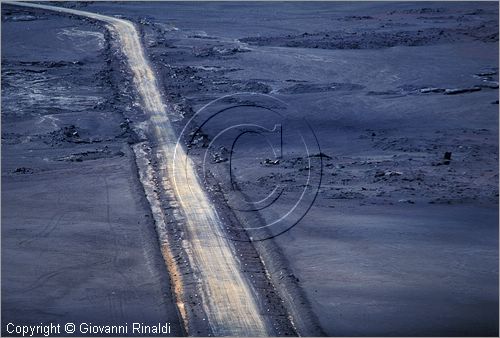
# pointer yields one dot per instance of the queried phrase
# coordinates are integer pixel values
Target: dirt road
(227, 298)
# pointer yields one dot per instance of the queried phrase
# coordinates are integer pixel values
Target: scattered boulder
(221, 156)
(23, 170)
(381, 173)
(71, 132)
(268, 161)
(218, 158)
(66, 134)
(200, 141)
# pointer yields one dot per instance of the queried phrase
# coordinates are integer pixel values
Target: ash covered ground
(78, 240)
(402, 238)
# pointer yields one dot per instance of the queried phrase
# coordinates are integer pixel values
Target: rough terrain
(402, 238)
(78, 240)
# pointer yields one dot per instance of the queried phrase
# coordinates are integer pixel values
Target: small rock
(447, 158)
(381, 173)
(393, 173)
(217, 158)
(270, 162)
(23, 170)
(71, 132)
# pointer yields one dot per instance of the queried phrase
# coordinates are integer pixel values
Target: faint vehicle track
(227, 297)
